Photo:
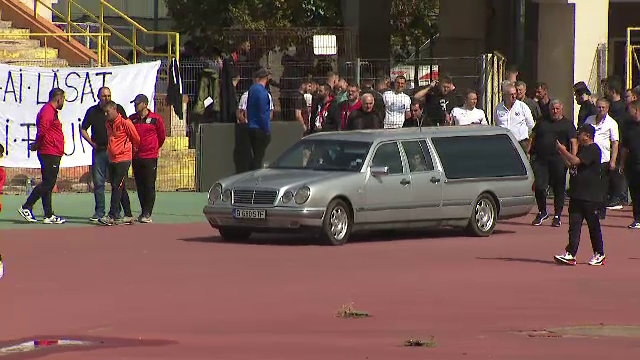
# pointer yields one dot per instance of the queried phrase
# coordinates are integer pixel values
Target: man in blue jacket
(259, 117)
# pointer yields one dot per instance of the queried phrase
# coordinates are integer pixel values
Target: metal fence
(176, 163)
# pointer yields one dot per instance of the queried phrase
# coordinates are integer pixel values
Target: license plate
(249, 214)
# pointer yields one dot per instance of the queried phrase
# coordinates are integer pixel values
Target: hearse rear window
(487, 156)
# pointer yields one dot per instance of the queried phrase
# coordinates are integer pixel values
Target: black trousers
(618, 190)
(49, 168)
(580, 210)
(145, 172)
(550, 172)
(117, 173)
(242, 153)
(633, 177)
(606, 181)
(259, 141)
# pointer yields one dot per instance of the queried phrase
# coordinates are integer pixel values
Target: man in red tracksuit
(49, 144)
(150, 127)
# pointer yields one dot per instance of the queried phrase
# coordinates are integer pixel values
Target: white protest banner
(24, 90)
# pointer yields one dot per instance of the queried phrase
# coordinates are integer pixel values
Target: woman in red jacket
(150, 127)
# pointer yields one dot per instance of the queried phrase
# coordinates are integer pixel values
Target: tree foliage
(202, 19)
(413, 21)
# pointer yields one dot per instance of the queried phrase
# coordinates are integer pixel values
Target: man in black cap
(586, 192)
(95, 120)
(152, 132)
(259, 117)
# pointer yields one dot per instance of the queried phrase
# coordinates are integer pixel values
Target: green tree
(206, 19)
(413, 23)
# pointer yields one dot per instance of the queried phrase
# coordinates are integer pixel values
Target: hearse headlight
(287, 197)
(302, 195)
(226, 196)
(215, 193)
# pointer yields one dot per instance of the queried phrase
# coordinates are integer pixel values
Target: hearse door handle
(405, 182)
(435, 180)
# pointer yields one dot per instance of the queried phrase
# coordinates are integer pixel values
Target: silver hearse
(335, 183)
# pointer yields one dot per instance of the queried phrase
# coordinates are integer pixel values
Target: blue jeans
(99, 172)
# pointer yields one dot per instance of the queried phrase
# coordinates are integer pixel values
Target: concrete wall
(569, 32)
(556, 55)
(42, 10)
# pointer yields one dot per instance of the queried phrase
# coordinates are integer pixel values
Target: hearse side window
(418, 156)
(486, 156)
(388, 155)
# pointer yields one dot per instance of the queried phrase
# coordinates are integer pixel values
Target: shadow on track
(534, 261)
(365, 237)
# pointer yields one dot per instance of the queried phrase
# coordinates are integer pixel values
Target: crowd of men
(118, 142)
(606, 129)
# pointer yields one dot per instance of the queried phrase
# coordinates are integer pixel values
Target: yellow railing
(101, 38)
(173, 38)
(632, 57)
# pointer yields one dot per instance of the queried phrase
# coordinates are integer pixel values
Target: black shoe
(556, 221)
(540, 218)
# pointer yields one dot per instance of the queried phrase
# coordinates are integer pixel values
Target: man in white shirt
(514, 115)
(607, 138)
(397, 105)
(468, 114)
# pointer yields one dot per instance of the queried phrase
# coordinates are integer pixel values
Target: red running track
(175, 292)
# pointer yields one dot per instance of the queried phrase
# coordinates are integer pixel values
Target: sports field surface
(174, 290)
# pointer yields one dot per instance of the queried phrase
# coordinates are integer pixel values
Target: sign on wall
(24, 90)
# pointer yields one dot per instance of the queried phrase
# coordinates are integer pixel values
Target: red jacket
(152, 134)
(49, 138)
(122, 139)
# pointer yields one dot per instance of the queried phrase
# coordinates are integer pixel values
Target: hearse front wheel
(234, 234)
(337, 223)
(484, 215)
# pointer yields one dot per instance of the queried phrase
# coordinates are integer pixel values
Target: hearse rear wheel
(337, 223)
(484, 215)
(234, 234)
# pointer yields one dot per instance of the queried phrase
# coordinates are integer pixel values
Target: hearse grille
(254, 197)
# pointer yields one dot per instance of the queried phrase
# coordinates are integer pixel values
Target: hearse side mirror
(379, 170)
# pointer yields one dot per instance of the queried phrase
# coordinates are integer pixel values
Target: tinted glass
(466, 157)
(388, 155)
(418, 156)
(325, 155)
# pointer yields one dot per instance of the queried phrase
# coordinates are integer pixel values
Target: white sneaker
(145, 219)
(27, 214)
(565, 259)
(597, 260)
(53, 219)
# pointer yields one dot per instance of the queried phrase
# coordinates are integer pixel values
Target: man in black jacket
(618, 190)
(325, 113)
(583, 98)
(95, 119)
(630, 159)
(366, 117)
(548, 166)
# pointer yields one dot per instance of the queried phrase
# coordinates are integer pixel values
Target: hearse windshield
(324, 155)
